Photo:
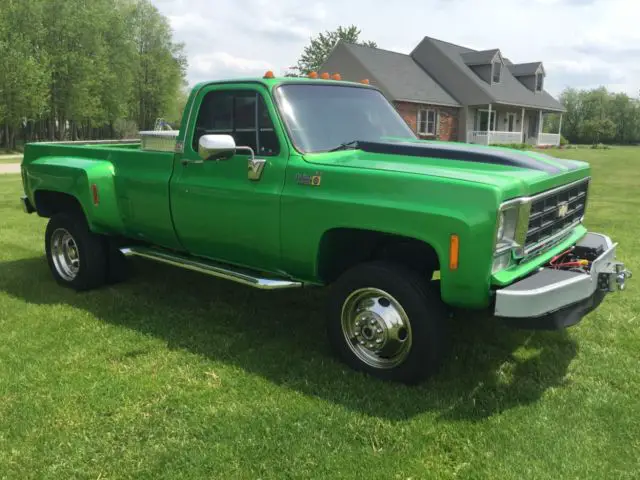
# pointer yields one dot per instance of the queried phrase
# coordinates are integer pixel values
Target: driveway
(9, 168)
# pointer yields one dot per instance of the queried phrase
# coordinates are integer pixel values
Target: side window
(268, 144)
(242, 114)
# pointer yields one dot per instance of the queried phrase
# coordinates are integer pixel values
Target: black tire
(90, 249)
(421, 303)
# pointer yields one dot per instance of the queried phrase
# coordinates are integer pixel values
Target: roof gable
(447, 62)
(395, 73)
(483, 57)
(523, 69)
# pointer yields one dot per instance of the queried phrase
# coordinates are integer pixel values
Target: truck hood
(515, 173)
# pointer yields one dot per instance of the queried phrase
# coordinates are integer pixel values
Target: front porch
(503, 125)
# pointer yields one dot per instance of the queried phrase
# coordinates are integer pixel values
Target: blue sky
(583, 43)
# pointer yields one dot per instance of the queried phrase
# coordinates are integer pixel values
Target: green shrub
(563, 141)
(515, 146)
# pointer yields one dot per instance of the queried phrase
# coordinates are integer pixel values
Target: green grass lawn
(179, 375)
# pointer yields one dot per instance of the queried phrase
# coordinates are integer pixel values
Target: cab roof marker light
(313, 75)
(336, 76)
(325, 76)
(269, 74)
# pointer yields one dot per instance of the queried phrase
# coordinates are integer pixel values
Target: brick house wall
(447, 119)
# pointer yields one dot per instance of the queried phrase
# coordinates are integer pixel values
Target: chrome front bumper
(562, 296)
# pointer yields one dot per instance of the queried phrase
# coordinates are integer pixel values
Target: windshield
(324, 117)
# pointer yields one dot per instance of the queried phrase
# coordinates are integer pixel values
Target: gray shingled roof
(479, 58)
(401, 76)
(521, 69)
(475, 91)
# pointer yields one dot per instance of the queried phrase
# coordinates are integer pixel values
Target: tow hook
(621, 275)
(614, 278)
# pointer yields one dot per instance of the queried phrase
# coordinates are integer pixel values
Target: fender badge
(312, 180)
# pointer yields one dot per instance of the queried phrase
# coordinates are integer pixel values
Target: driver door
(220, 212)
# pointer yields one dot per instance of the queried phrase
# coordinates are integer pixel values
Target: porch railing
(485, 138)
(549, 139)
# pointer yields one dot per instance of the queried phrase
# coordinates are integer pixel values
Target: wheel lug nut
(378, 330)
(361, 342)
(379, 340)
(372, 322)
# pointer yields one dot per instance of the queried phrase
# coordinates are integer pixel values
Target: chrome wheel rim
(65, 254)
(376, 328)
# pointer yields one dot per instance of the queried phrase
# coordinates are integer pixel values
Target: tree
(599, 130)
(74, 69)
(316, 53)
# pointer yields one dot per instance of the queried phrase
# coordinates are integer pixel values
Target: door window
(242, 114)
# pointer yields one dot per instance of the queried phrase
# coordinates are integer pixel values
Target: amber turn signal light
(454, 251)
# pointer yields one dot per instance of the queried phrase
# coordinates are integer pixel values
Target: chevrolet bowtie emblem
(563, 209)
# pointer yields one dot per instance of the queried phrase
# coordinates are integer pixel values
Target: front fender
(76, 176)
(419, 207)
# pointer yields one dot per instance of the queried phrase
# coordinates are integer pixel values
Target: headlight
(511, 231)
(507, 225)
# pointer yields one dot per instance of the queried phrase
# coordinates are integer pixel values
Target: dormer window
(539, 82)
(496, 75)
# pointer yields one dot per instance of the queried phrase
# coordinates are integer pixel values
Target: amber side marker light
(269, 74)
(454, 251)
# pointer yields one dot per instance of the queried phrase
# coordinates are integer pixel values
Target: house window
(427, 122)
(539, 82)
(482, 120)
(497, 72)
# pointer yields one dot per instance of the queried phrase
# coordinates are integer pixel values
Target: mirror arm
(250, 150)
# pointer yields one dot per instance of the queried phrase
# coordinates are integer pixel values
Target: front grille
(556, 211)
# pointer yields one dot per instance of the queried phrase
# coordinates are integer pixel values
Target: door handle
(256, 167)
(186, 162)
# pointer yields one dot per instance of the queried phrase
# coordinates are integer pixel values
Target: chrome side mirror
(216, 147)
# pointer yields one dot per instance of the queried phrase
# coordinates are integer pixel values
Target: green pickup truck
(288, 182)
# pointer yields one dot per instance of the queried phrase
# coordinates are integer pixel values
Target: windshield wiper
(345, 146)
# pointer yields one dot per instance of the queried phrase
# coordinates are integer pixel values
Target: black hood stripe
(463, 153)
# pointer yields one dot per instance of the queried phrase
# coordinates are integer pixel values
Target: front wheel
(386, 320)
(76, 256)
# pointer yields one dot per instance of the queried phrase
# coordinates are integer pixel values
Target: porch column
(489, 127)
(539, 128)
(560, 126)
(522, 127)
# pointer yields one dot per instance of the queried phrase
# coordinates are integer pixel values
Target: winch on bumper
(555, 298)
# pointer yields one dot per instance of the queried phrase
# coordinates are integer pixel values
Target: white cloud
(212, 63)
(583, 43)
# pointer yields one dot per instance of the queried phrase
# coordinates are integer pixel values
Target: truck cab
(292, 182)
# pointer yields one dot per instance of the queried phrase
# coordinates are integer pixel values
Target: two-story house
(448, 92)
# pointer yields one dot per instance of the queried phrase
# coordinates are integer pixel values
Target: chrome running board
(210, 267)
